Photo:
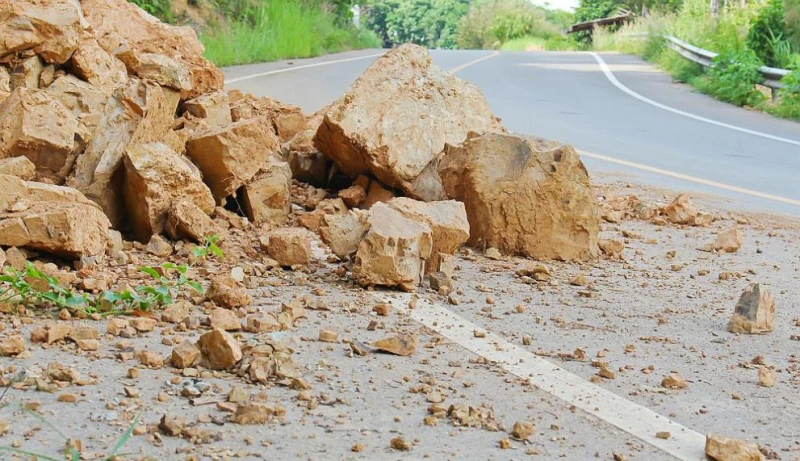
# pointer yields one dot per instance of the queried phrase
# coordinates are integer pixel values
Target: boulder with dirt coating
(35, 124)
(524, 195)
(156, 177)
(447, 220)
(97, 66)
(120, 25)
(50, 28)
(84, 100)
(20, 167)
(396, 119)
(139, 113)
(394, 250)
(231, 156)
(755, 311)
(342, 232)
(266, 197)
(164, 71)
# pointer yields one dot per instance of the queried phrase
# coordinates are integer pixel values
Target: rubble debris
(393, 251)
(396, 118)
(343, 232)
(187, 220)
(673, 381)
(172, 425)
(290, 246)
(400, 444)
(224, 319)
(522, 430)
(766, 377)
(328, 336)
(682, 211)
(721, 448)
(754, 312)
(253, 413)
(523, 195)
(12, 345)
(265, 198)
(51, 29)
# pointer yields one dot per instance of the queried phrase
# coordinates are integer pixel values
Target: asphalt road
(567, 97)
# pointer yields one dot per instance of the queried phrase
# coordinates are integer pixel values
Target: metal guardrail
(590, 25)
(772, 76)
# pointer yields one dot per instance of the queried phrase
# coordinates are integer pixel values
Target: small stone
(117, 326)
(611, 248)
(328, 336)
(158, 246)
(430, 420)
(263, 324)
(755, 311)
(674, 382)
(360, 348)
(382, 309)
(131, 391)
(143, 324)
(176, 313)
(133, 373)
(479, 333)
(398, 443)
(185, 355)
(57, 332)
(493, 253)
(68, 398)
(238, 394)
(12, 345)
(537, 271)
(64, 314)
(526, 340)
(729, 241)
(172, 425)
(522, 430)
(290, 246)
(227, 292)
(441, 283)
(224, 319)
(403, 345)
(253, 413)
(579, 281)
(357, 448)
(606, 373)
(220, 349)
(88, 344)
(237, 273)
(766, 377)
(162, 397)
(721, 448)
(504, 444)
(150, 359)
(663, 435)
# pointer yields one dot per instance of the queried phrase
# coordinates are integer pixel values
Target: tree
(430, 23)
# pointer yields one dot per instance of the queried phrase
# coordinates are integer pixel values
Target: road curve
(640, 119)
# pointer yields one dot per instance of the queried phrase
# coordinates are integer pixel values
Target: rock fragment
(12, 345)
(290, 246)
(253, 413)
(721, 448)
(728, 241)
(674, 381)
(185, 355)
(343, 232)
(220, 350)
(766, 377)
(755, 311)
(227, 292)
(265, 198)
(187, 220)
(403, 345)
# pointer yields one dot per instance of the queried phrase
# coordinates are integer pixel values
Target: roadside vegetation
(746, 36)
(462, 24)
(246, 31)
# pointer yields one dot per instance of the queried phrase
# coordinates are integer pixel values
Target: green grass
(280, 30)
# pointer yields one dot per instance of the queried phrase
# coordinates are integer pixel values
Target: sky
(568, 5)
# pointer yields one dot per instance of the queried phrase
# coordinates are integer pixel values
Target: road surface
(749, 157)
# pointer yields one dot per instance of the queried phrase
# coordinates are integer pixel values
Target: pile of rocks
(113, 125)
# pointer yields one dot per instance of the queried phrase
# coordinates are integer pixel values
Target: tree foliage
(490, 23)
(430, 23)
(766, 31)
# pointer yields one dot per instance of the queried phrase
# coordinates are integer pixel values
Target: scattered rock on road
(721, 448)
(728, 241)
(755, 311)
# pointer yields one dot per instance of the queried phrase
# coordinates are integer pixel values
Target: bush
(490, 23)
(788, 98)
(732, 77)
(430, 23)
(161, 9)
(282, 29)
(767, 31)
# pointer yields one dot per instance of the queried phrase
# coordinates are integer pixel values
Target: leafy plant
(158, 8)
(69, 447)
(33, 287)
(787, 103)
(767, 30)
(732, 77)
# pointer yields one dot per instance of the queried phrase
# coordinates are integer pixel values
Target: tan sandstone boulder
(35, 124)
(286, 120)
(755, 311)
(290, 246)
(187, 220)
(393, 251)
(214, 108)
(27, 73)
(343, 232)
(155, 178)
(231, 156)
(84, 100)
(97, 66)
(122, 26)
(524, 195)
(447, 220)
(396, 119)
(164, 71)
(20, 167)
(720, 448)
(266, 197)
(51, 28)
(139, 113)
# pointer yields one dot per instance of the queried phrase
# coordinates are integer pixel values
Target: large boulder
(266, 197)
(284, 119)
(84, 100)
(343, 232)
(120, 25)
(231, 156)
(20, 167)
(27, 73)
(53, 219)
(155, 178)
(51, 28)
(35, 124)
(186, 220)
(139, 113)
(393, 251)
(447, 220)
(524, 195)
(396, 119)
(213, 108)
(97, 66)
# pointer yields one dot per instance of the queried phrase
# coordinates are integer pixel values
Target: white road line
(684, 444)
(457, 69)
(684, 177)
(306, 66)
(611, 78)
